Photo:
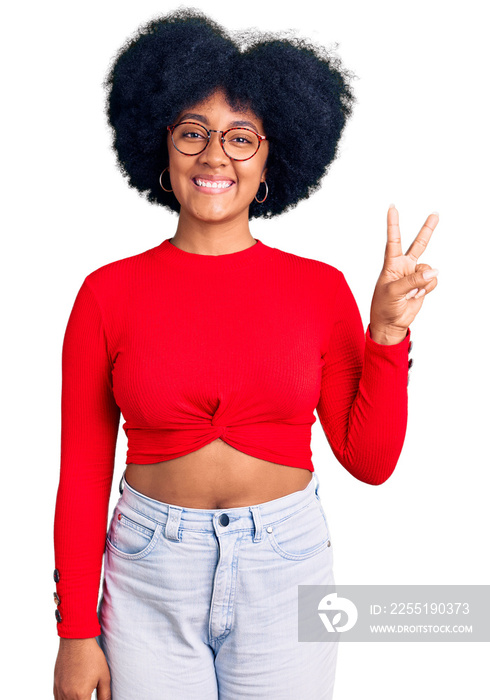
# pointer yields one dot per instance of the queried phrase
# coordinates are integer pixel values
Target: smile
(213, 184)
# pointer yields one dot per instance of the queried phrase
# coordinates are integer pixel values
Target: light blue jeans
(203, 604)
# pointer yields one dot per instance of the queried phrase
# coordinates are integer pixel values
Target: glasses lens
(241, 143)
(190, 138)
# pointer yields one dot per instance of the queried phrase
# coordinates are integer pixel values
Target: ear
(264, 175)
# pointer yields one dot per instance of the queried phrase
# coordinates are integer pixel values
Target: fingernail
(419, 294)
(435, 212)
(429, 274)
(392, 206)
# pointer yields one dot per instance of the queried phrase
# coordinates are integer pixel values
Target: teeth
(220, 185)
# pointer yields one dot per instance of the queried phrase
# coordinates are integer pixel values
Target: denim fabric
(203, 604)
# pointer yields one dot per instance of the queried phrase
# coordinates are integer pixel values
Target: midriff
(214, 477)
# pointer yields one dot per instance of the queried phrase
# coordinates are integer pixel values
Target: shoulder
(309, 268)
(117, 275)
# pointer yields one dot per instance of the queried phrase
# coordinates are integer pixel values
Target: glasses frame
(222, 139)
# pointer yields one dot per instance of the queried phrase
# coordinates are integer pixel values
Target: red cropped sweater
(243, 346)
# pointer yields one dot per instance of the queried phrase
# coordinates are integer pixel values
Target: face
(192, 177)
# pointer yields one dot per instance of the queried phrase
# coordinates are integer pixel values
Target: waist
(215, 476)
(203, 519)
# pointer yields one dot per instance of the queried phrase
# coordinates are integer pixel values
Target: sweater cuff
(396, 351)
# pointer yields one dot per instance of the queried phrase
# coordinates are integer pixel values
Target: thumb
(414, 280)
(104, 690)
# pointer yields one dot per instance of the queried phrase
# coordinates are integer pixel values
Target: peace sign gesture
(402, 284)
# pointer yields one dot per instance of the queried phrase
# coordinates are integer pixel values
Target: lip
(211, 189)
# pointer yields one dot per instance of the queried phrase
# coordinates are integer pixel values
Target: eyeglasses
(191, 138)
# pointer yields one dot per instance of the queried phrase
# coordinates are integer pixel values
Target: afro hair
(301, 94)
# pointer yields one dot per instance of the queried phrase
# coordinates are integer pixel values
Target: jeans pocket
(300, 535)
(131, 534)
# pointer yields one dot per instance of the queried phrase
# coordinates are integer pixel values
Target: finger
(426, 290)
(411, 293)
(423, 237)
(394, 242)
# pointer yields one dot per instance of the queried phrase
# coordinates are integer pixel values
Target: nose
(214, 155)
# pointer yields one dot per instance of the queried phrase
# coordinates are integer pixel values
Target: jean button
(224, 519)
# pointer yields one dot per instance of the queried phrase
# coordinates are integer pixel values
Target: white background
(418, 138)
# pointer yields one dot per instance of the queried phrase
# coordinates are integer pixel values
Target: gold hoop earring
(160, 179)
(259, 201)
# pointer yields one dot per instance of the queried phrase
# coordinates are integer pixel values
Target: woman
(216, 348)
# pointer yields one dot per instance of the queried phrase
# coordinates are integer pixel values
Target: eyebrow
(202, 118)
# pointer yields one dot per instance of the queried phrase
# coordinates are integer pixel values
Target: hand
(401, 288)
(81, 667)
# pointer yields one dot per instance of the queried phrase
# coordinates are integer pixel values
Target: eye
(191, 135)
(241, 139)
(190, 132)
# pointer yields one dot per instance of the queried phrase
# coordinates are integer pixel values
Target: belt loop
(173, 522)
(257, 523)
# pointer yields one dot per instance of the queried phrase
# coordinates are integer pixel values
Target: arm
(363, 402)
(89, 427)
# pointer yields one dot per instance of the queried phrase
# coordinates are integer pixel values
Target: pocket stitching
(133, 525)
(291, 515)
(303, 555)
(296, 557)
(138, 555)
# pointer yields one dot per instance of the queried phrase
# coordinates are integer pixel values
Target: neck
(212, 238)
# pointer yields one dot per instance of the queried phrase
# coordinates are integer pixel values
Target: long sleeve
(363, 404)
(89, 427)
